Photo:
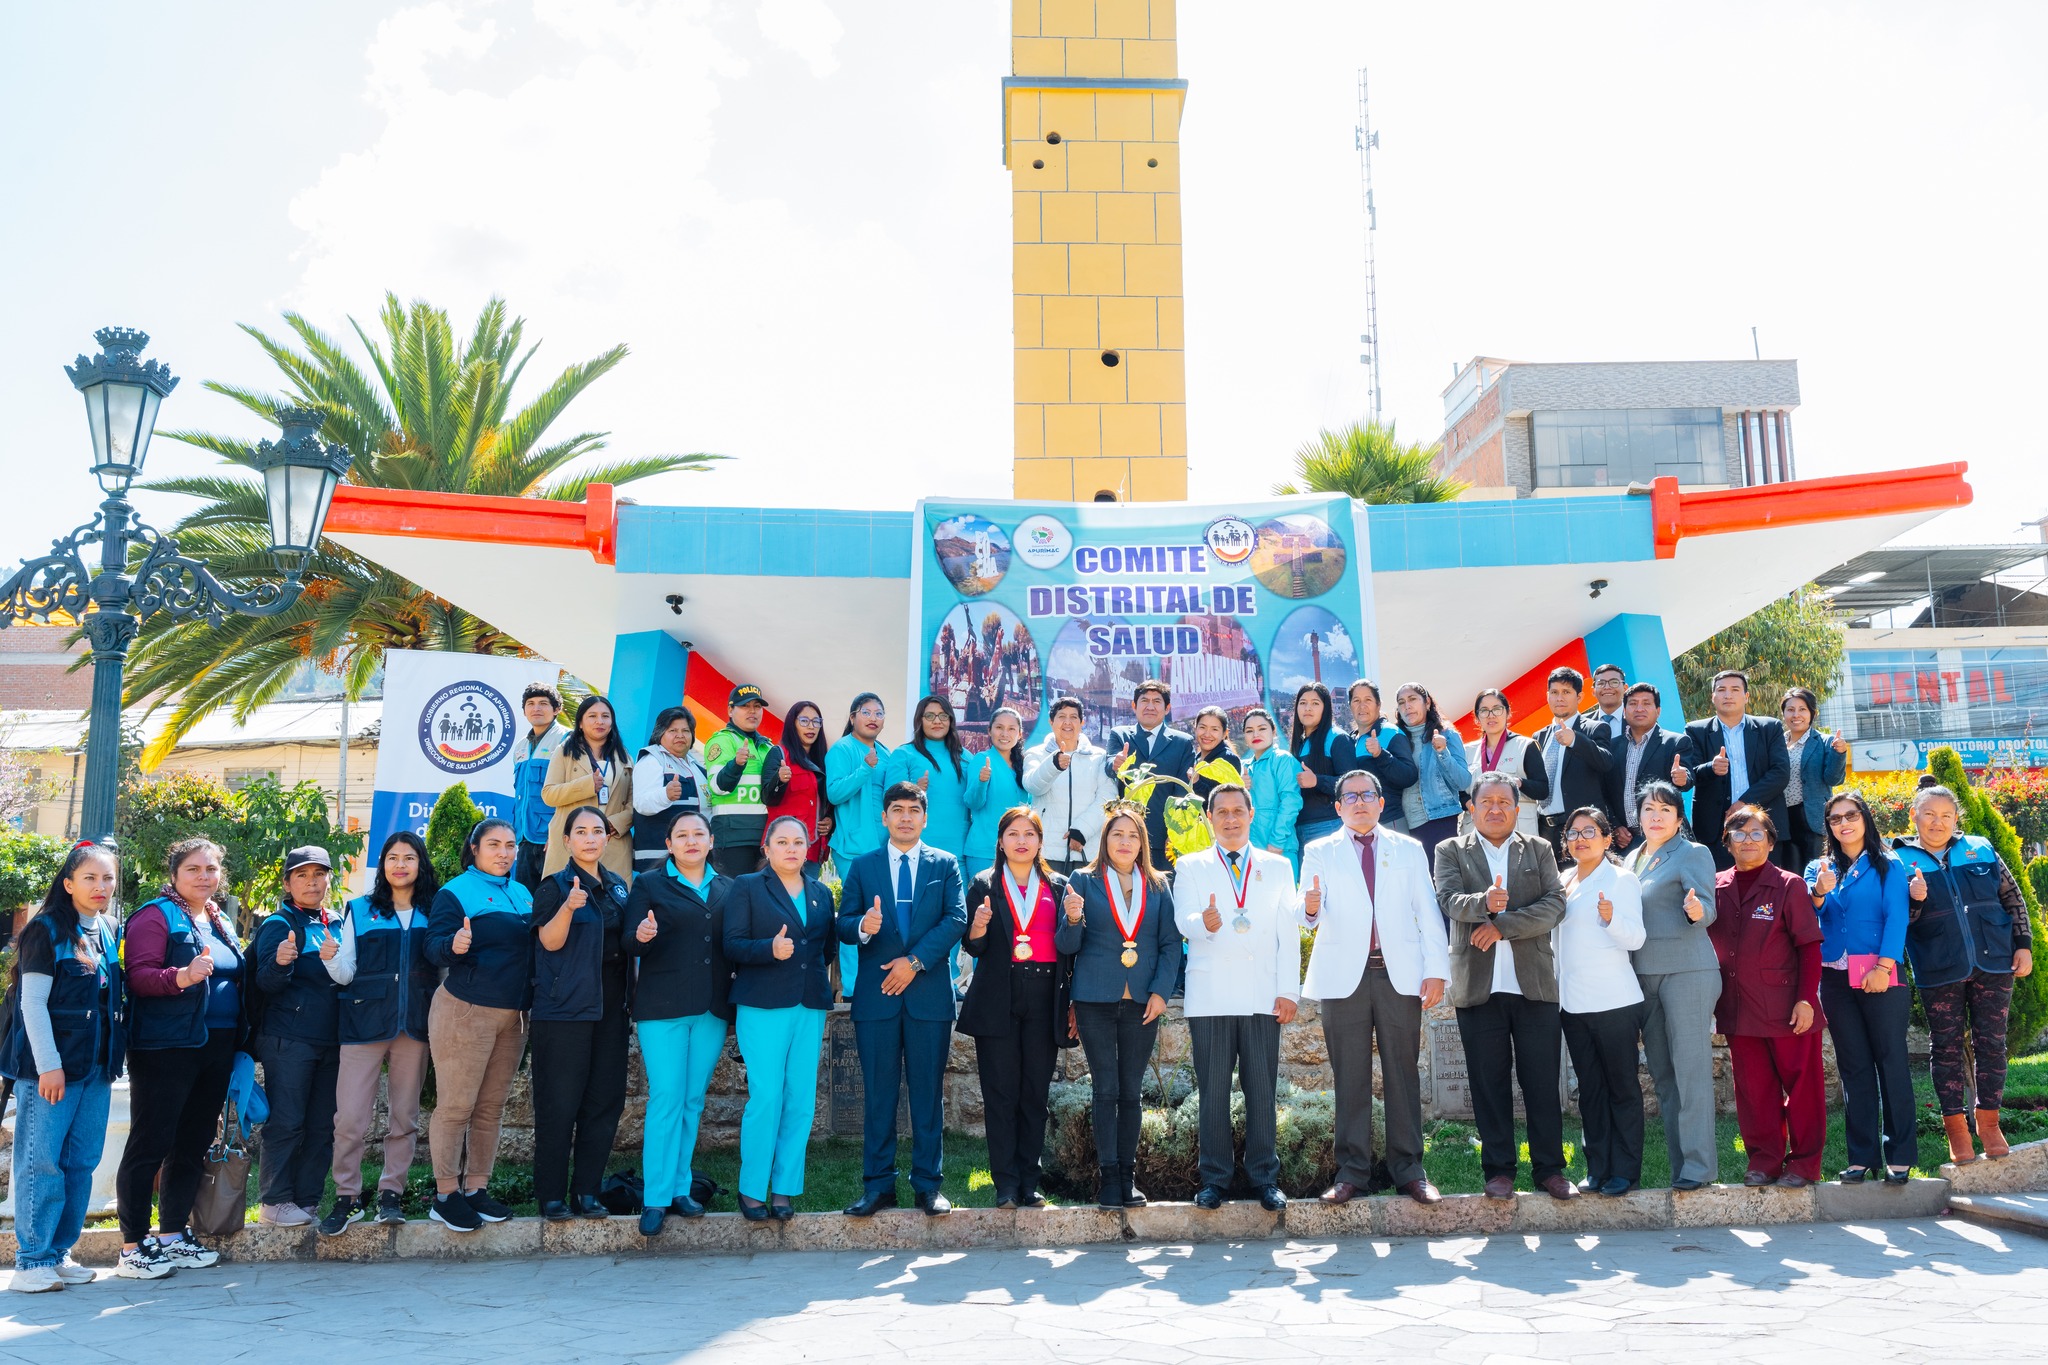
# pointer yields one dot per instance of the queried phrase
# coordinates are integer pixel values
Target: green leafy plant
(28, 862)
(1796, 641)
(276, 819)
(448, 825)
(1367, 461)
(1980, 817)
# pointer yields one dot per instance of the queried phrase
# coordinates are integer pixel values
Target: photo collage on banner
(1231, 606)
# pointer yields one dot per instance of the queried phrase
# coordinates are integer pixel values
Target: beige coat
(572, 782)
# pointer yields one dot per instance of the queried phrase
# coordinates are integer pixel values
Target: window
(1614, 447)
(2005, 689)
(1897, 693)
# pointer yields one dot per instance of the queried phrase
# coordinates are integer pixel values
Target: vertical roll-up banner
(448, 718)
(1232, 606)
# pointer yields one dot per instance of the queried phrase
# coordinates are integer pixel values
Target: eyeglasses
(933, 715)
(1357, 798)
(1746, 836)
(871, 713)
(1581, 834)
(1491, 711)
(1844, 817)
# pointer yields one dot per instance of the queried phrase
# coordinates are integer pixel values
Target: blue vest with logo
(1962, 926)
(394, 983)
(86, 1006)
(568, 983)
(167, 1021)
(300, 1001)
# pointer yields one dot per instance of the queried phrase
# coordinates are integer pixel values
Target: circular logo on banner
(465, 726)
(1042, 541)
(973, 553)
(1231, 539)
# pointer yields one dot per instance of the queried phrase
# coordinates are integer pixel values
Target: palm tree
(432, 415)
(1365, 461)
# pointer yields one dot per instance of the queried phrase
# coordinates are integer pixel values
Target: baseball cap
(746, 694)
(307, 855)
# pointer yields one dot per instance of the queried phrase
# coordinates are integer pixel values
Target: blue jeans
(680, 1055)
(56, 1147)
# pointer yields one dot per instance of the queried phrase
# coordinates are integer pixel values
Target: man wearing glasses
(1380, 960)
(1501, 891)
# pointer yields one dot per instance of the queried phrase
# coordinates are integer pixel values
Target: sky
(795, 214)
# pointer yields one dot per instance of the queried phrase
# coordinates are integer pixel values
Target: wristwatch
(915, 965)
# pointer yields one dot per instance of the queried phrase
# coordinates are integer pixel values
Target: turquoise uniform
(945, 800)
(986, 802)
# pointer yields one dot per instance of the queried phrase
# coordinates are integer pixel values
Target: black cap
(307, 855)
(746, 694)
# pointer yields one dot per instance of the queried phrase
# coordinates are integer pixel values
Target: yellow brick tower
(1091, 135)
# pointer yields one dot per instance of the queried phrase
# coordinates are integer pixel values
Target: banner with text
(1239, 606)
(448, 718)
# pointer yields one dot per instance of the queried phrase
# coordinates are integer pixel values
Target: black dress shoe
(1208, 1197)
(933, 1203)
(783, 1211)
(753, 1212)
(1134, 1198)
(588, 1207)
(871, 1203)
(1617, 1186)
(650, 1221)
(1030, 1199)
(1683, 1183)
(555, 1211)
(682, 1206)
(1272, 1199)
(1006, 1201)
(1892, 1177)
(1854, 1175)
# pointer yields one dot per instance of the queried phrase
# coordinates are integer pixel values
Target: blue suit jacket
(1821, 770)
(938, 918)
(1096, 944)
(755, 909)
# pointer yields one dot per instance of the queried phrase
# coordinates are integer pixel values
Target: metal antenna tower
(1373, 354)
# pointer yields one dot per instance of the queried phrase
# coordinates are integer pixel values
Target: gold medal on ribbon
(1130, 957)
(1022, 952)
(1023, 902)
(1129, 926)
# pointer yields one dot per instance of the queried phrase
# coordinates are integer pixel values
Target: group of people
(1549, 884)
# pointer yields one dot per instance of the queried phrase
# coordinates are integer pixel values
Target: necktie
(903, 895)
(1553, 763)
(1368, 863)
(1232, 855)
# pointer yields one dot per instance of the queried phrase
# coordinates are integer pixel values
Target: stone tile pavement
(1804, 1294)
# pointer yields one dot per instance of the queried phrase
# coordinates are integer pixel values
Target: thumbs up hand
(647, 930)
(985, 767)
(1721, 763)
(1075, 904)
(782, 947)
(1304, 779)
(1212, 918)
(288, 950)
(1372, 744)
(1838, 744)
(577, 897)
(1917, 888)
(1606, 909)
(873, 757)
(1679, 776)
(329, 946)
(924, 782)
(1693, 908)
(460, 943)
(981, 918)
(1497, 897)
(1438, 742)
(197, 970)
(871, 922)
(1824, 880)
(1312, 903)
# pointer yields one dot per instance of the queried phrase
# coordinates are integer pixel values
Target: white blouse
(1594, 972)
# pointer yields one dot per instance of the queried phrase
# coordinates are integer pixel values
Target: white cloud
(806, 27)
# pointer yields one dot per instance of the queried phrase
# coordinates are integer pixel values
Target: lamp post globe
(122, 393)
(300, 473)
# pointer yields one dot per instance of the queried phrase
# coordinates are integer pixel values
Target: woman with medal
(1117, 924)
(1016, 1005)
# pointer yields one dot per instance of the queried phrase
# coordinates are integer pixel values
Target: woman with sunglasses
(1768, 942)
(1860, 889)
(1681, 981)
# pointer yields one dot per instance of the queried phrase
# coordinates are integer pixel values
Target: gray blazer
(1671, 942)
(1535, 905)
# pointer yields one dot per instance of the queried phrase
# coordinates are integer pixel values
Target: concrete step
(2006, 1212)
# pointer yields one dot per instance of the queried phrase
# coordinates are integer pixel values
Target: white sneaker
(284, 1216)
(186, 1254)
(41, 1280)
(143, 1263)
(71, 1272)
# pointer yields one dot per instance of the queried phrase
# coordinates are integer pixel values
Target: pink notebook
(1860, 965)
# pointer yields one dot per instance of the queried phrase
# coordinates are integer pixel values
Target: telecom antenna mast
(1373, 355)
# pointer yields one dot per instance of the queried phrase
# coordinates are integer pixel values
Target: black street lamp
(122, 393)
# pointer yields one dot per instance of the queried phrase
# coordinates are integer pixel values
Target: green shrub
(448, 826)
(154, 813)
(28, 863)
(1980, 817)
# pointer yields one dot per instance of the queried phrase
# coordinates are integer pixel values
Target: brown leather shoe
(1501, 1187)
(1557, 1187)
(1422, 1192)
(1343, 1192)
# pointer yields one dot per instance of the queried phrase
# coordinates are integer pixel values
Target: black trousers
(736, 861)
(1249, 1046)
(579, 1092)
(1118, 1047)
(175, 1097)
(1798, 845)
(1016, 1079)
(532, 857)
(1604, 1053)
(1550, 828)
(298, 1137)
(1869, 1032)
(1511, 1038)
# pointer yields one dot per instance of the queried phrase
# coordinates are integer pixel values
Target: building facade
(1518, 430)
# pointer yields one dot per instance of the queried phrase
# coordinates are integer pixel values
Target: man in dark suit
(1610, 686)
(1736, 759)
(1171, 753)
(1648, 753)
(1501, 892)
(1577, 756)
(904, 905)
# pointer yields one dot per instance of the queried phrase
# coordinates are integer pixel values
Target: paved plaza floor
(1934, 1289)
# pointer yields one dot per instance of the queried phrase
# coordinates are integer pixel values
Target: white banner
(448, 718)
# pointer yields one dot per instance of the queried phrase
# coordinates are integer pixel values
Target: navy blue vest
(1962, 926)
(302, 1001)
(166, 1021)
(394, 983)
(85, 1012)
(568, 984)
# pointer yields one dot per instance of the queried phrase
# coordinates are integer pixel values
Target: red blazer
(1768, 943)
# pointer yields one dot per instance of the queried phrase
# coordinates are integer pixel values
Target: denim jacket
(1439, 778)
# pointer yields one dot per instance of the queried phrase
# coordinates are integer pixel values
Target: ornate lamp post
(122, 393)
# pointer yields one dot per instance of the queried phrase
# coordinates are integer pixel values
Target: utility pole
(1374, 355)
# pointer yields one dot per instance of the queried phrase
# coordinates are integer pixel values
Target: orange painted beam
(1529, 695)
(705, 689)
(590, 525)
(1803, 502)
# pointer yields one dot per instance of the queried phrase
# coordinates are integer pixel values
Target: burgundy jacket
(1768, 943)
